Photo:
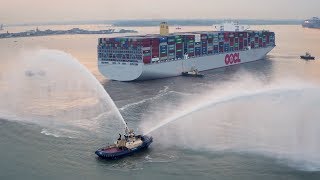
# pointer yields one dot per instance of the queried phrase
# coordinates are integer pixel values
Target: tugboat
(192, 73)
(307, 56)
(125, 146)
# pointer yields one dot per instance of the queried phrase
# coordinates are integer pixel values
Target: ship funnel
(164, 28)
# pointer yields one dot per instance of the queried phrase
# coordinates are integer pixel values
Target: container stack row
(175, 46)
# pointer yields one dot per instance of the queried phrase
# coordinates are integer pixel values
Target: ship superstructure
(164, 55)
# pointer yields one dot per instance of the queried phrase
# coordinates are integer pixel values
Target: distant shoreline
(49, 32)
(180, 22)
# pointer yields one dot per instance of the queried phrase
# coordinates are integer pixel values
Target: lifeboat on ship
(125, 146)
(192, 73)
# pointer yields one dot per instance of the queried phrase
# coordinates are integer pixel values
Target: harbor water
(256, 120)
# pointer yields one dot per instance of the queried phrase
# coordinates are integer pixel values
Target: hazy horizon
(41, 11)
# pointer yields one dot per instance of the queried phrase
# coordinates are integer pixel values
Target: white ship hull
(121, 71)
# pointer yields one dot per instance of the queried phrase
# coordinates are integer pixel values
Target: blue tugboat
(125, 146)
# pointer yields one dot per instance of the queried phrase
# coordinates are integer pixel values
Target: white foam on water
(55, 133)
(161, 93)
(46, 132)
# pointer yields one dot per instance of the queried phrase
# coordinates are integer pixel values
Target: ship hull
(139, 71)
(312, 26)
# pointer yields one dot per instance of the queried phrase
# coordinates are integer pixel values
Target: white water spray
(51, 84)
(213, 101)
(278, 120)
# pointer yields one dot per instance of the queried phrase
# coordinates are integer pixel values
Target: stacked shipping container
(155, 48)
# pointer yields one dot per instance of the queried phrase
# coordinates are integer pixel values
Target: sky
(44, 11)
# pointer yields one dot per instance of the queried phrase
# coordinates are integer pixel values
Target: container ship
(311, 23)
(167, 54)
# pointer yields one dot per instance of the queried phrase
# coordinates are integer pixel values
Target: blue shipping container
(163, 39)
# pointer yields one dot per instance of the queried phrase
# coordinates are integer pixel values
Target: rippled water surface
(253, 121)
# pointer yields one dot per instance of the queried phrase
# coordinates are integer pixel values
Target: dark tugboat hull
(115, 153)
(307, 58)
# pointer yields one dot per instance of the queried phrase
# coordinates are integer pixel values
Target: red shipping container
(245, 43)
(190, 37)
(256, 39)
(163, 54)
(155, 52)
(241, 46)
(155, 41)
(268, 39)
(179, 46)
(147, 59)
(155, 46)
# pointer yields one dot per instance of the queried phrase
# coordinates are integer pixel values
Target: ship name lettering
(232, 58)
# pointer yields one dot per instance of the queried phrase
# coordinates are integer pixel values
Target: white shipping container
(146, 48)
(155, 59)
(197, 37)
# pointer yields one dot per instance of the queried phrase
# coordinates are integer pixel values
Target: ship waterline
(126, 71)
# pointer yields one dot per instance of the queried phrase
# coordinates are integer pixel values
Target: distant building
(1, 27)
